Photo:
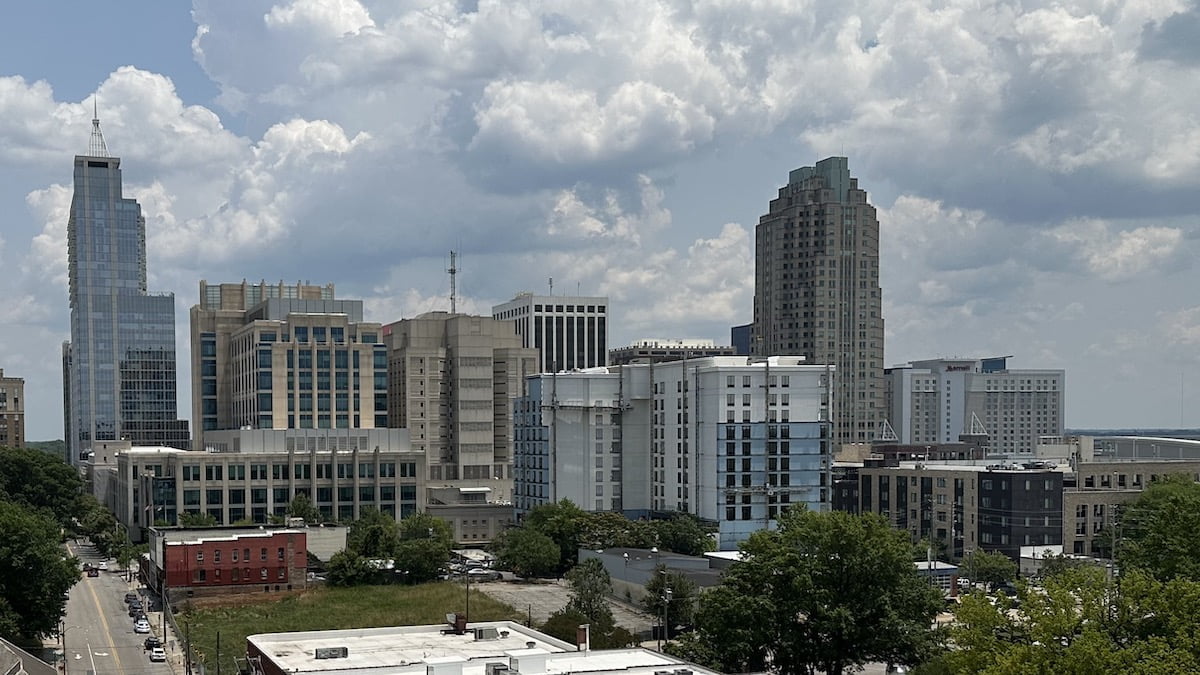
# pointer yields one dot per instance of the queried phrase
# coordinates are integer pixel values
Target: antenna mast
(453, 296)
(96, 146)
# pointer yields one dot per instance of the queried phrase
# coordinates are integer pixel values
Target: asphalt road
(99, 632)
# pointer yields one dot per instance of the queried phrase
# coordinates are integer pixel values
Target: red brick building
(272, 558)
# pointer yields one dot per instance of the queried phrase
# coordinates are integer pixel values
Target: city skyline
(1028, 202)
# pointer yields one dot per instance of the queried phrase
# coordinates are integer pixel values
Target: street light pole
(63, 636)
(666, 603)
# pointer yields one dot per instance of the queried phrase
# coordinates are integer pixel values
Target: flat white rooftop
(410, 649)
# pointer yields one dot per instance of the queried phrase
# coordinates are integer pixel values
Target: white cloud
(1122, 255)
(336, 17)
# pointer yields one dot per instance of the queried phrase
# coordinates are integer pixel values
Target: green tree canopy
(302, 507)
(989, 567)
(826, 591)
(34, 574)
(1157, 528)
(41, 481)
(681, 608)
(564, 523)
(420, 524)
(347, 568)
(682, 533)
(527, 553)
(197, 519)
(373, 535)
(1078, 622)
(590, 586)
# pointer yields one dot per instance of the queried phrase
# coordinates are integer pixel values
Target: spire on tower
(96, 146)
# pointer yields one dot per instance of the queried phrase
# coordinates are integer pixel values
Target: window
(263, 555)
(213, 472)
(281, 553)
(217, 556)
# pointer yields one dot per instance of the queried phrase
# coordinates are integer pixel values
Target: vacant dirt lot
(544, 598)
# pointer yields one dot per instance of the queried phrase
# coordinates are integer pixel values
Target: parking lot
(546, 597)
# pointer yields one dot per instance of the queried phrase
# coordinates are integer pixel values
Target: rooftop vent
(331, 653)
(487, 633)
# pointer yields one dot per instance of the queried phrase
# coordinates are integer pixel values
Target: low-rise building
(476, 648)
(223, 560)
(12, 411)
(657, 350)
(966, 507)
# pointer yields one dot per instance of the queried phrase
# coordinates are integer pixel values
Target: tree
(425, 545)
(373, 535)
(591, 585)
(1157, 528)
(302, 507)
(34, 574)
(40, 481)
(989, 567)
(100, 527)
(682, 533)
(197, 519)
(423, 525)
(564, 523)
(347, 568)
(1078, 622)
(1054, 564)
(607, 529)
(527, 553)
(681, 608)
(564, 623)
(826, 591)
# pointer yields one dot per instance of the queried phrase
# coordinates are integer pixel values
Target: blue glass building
(119, 367)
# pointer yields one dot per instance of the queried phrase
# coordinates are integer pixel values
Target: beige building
(12, 411)
(283, 357)
(816, 289)
(452, 382)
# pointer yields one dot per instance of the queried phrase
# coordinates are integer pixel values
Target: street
(98, 633)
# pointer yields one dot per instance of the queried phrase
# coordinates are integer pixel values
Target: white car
(142, 626)
(103, 566)
(157, 654)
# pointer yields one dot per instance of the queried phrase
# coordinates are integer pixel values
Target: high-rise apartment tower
(119, 367)
(816, 289)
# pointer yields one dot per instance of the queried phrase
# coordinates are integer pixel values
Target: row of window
(324, 470)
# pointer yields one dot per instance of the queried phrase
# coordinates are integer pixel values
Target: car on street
(93, 572)
(142, 626)
(135, 607)
(152, 642)
(480, 574)
(130, 597)
(103, 566)
(158, 654)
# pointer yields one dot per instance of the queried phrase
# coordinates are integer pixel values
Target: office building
(729, 439)
(270, 356)
(569, 332)
(659, 350)
(119, 367)
(452, 380)
(459, 647)
(739, 337)
(12, 411)
(964, 506)
(249, 475)
(939, 400)
(816, 288)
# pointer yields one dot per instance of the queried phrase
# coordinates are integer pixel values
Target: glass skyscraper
(119, 367)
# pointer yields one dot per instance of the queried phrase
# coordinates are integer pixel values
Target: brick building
(273, 559)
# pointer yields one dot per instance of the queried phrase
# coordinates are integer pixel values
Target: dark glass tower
(119, 367)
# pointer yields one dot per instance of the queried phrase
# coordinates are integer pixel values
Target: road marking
(104, 622)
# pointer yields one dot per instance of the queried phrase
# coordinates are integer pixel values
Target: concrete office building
(569, 332)
(254, 473)
(12, 411)
(119, 366)
(729, 439)
(657, 350)
(967, 507)
(816, 288)
(283, 357)
(939, 400)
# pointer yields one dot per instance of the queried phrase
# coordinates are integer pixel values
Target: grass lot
(328, 608)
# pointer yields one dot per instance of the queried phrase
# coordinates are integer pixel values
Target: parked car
(480, 574)
(103, 566)
(130, 597)
(157, 654)
(152, 642)
(141, 616)
(135, 608)
(142, 626)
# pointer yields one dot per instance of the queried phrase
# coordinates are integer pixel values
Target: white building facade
(937, 400)
(729, 439)
(569, 331)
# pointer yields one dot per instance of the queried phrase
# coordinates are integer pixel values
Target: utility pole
(453, 271)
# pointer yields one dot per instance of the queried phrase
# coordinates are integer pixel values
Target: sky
(1034, 164)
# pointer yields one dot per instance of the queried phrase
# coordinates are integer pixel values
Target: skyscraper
(267, 356)
(119, 367)
(570, 332)
(816, 288)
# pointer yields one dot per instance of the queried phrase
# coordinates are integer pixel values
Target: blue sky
(1035, 165)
